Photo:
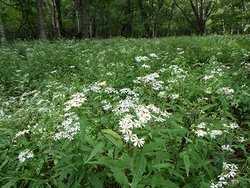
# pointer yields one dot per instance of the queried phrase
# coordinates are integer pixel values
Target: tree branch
(194, 9)
(185, 16)
(8, 4)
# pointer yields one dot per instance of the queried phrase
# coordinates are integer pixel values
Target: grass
(169, 112)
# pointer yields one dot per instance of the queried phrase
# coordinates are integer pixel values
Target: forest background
(51, 19)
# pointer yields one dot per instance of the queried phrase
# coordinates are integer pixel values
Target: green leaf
(139, 167)
(171, 184)
(117, 167)
(4, 163)
(113, 137)
(120, 176)
(157, 180)
(10, 183)
(208, 107)
(127, 160)
(160, 181)
(161, 165)
(96, 150)
(186, 163)
(112, 133)
(95, 181)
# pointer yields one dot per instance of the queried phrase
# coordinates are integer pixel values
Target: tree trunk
(85, 19)
(81, 18)
(170, 21)
(2, 32)
(75, 19)
(59, 13)
(153, 18)
(144, 18)
(42, 33)
(202, 11)
(56, 18)
(201, 28)
(94, 27)
(49, 12)
(197, 8)
(127, 26)
(156, 16)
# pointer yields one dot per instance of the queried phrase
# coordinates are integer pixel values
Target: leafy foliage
(67, 110)
(128, 18)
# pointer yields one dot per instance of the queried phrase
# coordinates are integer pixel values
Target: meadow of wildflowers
(171, 112)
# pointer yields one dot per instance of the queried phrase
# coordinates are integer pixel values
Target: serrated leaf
(157, 180)
(171, 184)
(161, 165)
(96, 150)
(105, 120)
(10, 183)
(160, 181)
(139, 167)
(113, 137)
(120, 176)
(95, 181)
(209, 106)
(127, 160)
(111, 132)
(4, 163)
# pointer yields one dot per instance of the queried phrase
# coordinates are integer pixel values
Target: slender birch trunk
(2, 32)
(56, 18)
(42, 33)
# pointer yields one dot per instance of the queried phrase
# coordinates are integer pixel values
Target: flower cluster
(141, 58)
(129, 92)
(146, 66)
(174, 96)
(143, 114)
(241, 139)
(106, 105)
(217, 71)
(208, 77)
(126, 125)
(177, 72)
(208, 90)
(201, 130)
(125, 105)
(215, 133)
(97, 86)
(180, 51)
(225, 91)
(162, 70)
(230, 172)
(24, 155)
(150, 79)
(200, 133)
(227, 148)
(20, 133)
(76, 100)
(110, 73)
(153, 55)
(162, 94)
(69, 127)
(129, 124)
(231, 125)
(110, 90)
(1, 113)
(58, 96)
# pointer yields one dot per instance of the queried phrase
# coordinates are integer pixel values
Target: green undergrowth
(169, 112)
